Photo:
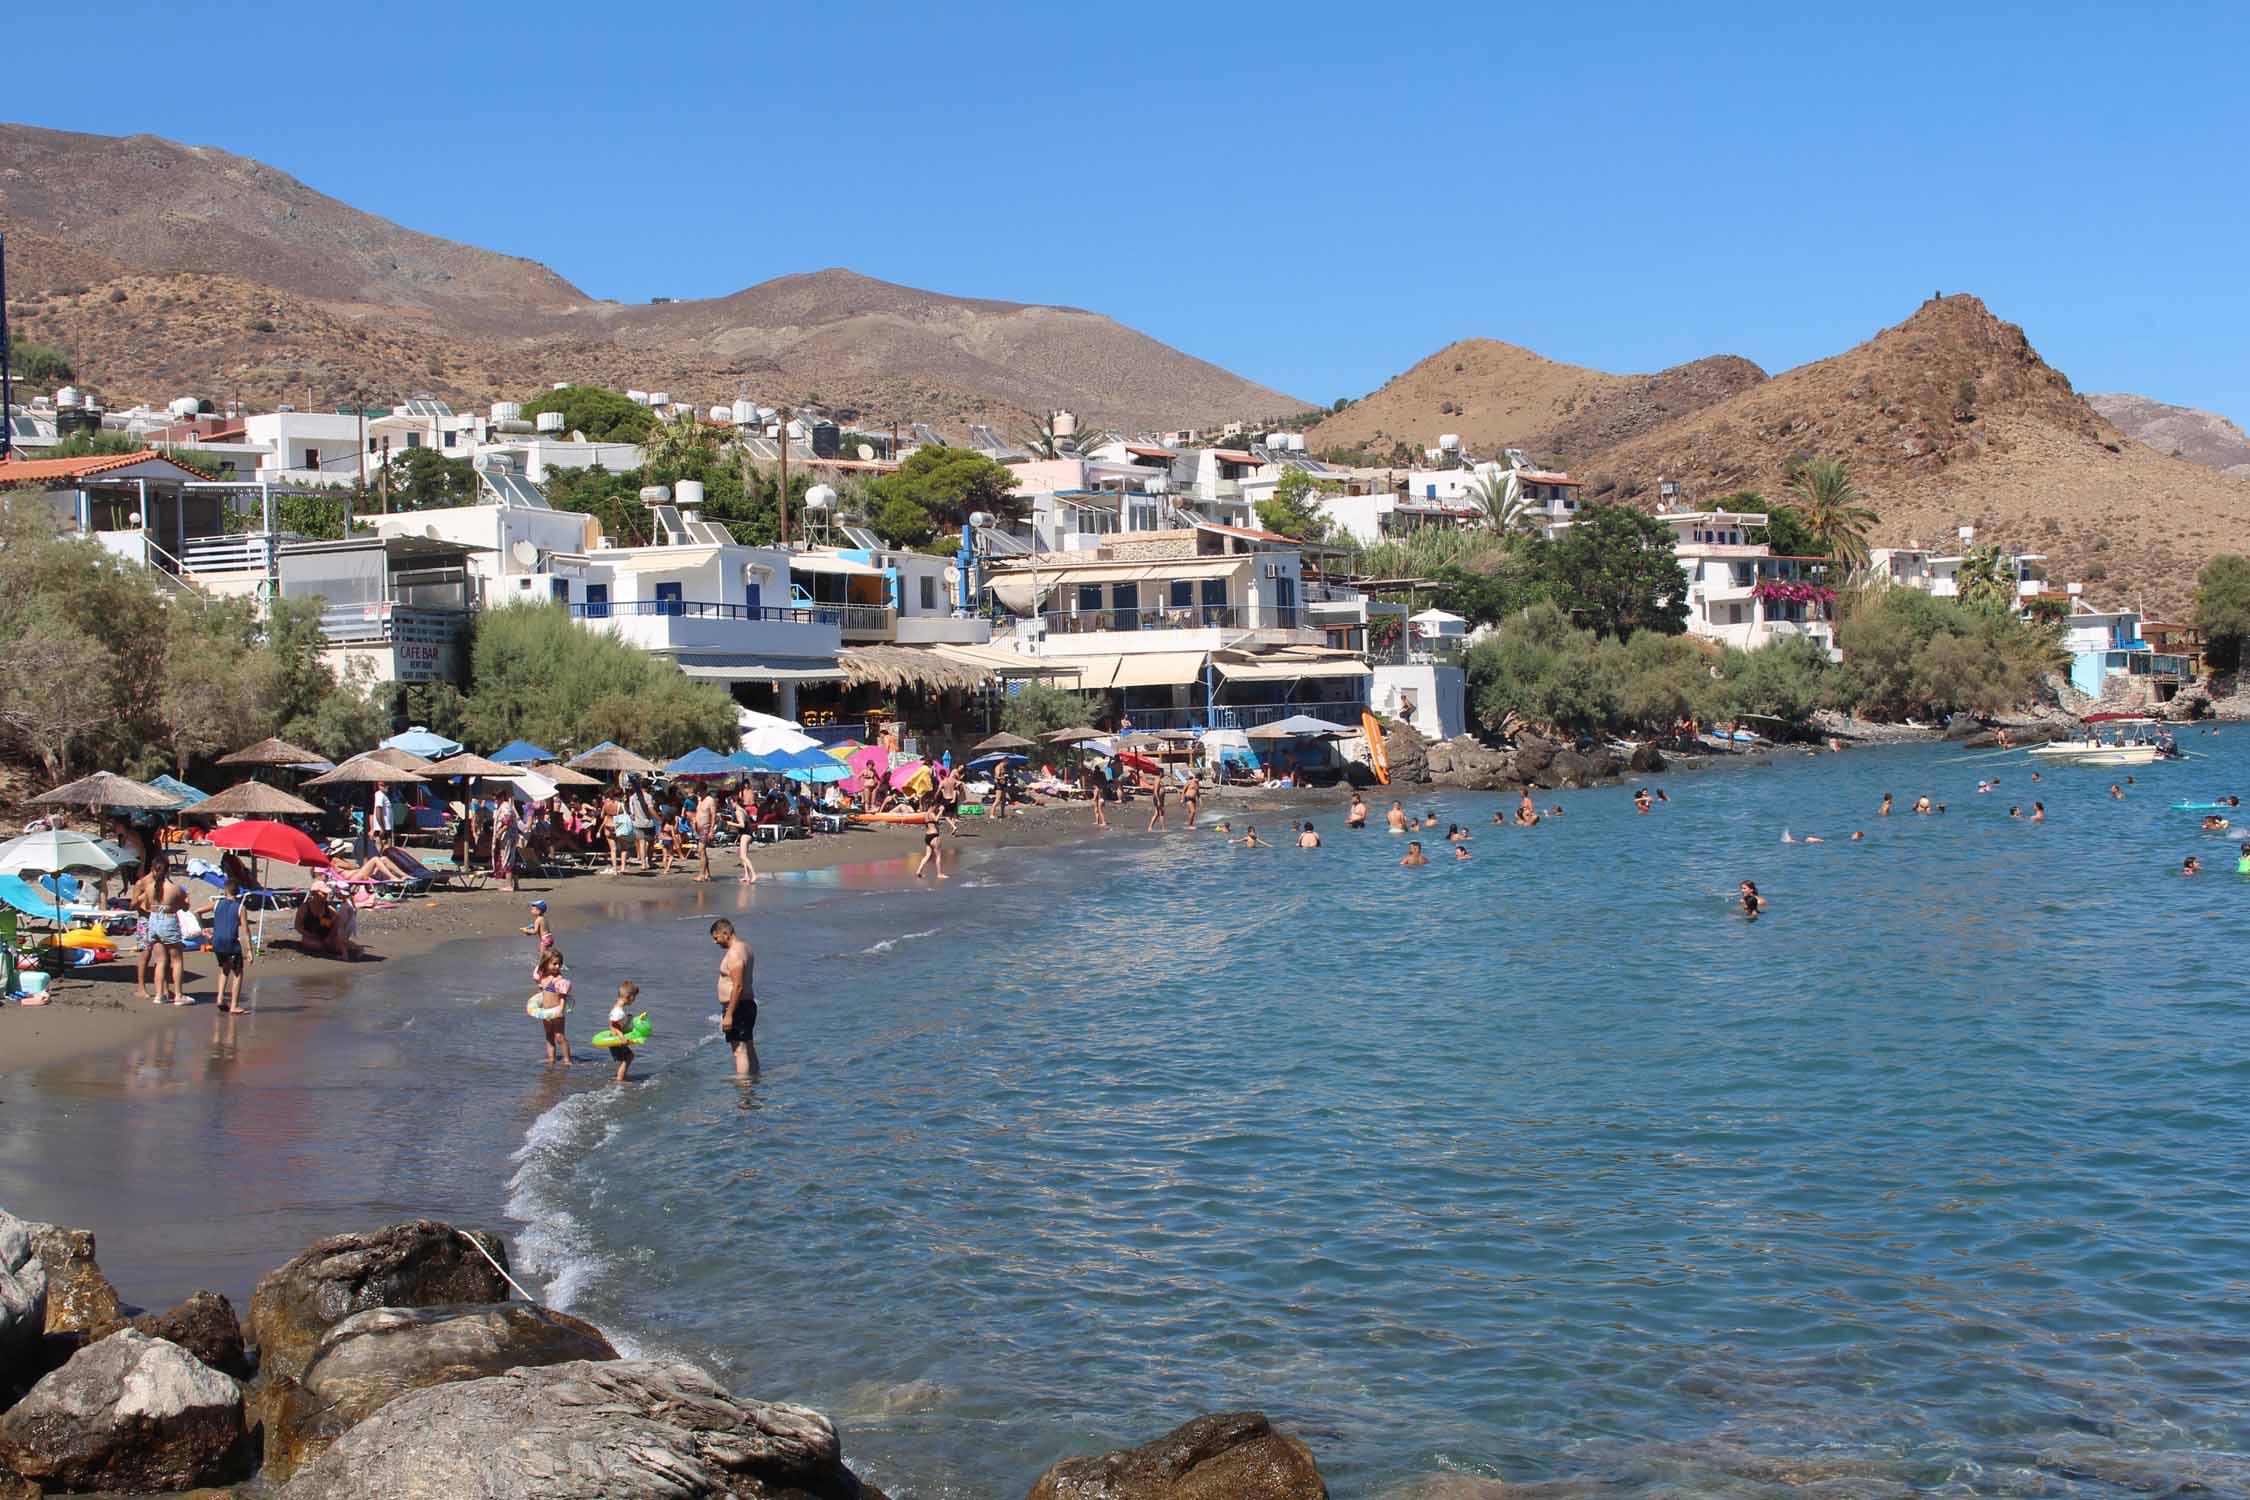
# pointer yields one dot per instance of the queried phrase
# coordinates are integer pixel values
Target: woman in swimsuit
(1752, 902)
(933, 830)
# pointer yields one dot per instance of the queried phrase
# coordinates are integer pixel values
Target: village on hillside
(1207, 582)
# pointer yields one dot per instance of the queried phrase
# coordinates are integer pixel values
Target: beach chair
(445, 875)
(38, 903)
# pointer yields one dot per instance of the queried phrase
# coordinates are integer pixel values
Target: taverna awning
(922, 667)
(1022, 589)
(1290, 668)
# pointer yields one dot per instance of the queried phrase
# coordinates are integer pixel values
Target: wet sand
(205, 1149)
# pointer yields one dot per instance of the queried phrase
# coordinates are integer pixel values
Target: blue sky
(1313, 195)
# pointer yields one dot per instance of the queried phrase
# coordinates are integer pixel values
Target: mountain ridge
(139, 218)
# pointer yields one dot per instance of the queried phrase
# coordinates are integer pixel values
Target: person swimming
(1752, 902)
(2191, 866)
(1414, 854)
(1642, 801)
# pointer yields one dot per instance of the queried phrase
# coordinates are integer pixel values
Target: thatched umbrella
(614, 759)
(466, 764)
(1076, 736)
(1002, 741)
(253, 799)
(562, 775)
(403, 760)
(105, 789)
(272, 752)
(365, 771)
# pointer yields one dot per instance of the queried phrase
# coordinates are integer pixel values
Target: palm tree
(1503, 503)
(1834, 508)
(681, 445)
(1985, 581)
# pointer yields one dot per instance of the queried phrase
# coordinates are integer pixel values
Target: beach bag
(622, 825)
(191, 927)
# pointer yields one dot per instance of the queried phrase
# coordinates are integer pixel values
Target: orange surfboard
(1380, 757)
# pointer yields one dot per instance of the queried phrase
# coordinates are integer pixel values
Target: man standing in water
(738, 1005)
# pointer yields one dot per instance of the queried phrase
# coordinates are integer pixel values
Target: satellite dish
(522, 552)
(430, 532)
(952, 576)
(867, 453)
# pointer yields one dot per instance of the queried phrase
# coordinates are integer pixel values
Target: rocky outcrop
(1534, 760)
(23, 1296)
(127, 1413)
(79, 1297)
(1228, 1456)
(372, 1358)
(418, 1264)
(205, 1326)
(1472, 765)
(617, 1430)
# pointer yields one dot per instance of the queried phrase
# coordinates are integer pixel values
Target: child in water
(537, 927)
(620, 1017)
(552, 1003)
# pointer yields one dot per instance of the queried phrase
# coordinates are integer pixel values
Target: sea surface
(1541, 1166)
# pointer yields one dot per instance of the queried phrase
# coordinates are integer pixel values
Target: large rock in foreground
(372, 1358)
(23, 1294)
(622, 1430)
(1229, 1456)
(420, 1264)
(127, 1413)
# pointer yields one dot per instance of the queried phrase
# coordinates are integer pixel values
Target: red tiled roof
(17, 470)
(1227, 456)
(1150, 452)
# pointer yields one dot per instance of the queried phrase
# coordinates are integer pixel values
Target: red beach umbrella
(269, 840)
(1133, 760)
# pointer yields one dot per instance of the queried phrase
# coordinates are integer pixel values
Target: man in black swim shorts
(738, 1007)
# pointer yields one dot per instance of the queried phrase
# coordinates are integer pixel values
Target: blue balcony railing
(699, 609)
(1173, 617)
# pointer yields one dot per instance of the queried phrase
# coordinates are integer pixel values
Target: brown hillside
(204, 245)
(2202, 437)
(2028, 463)
(836, 328)
(155, 206)
(225, 337)
(1498, 395)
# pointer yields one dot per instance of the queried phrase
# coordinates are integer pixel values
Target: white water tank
(69, 397)
(516, 428)
(506, 411)
(1449, 442)
(743, 413)
(660, 398)
(550, 421)
(689, 492)
(185, 406)
(1296, 442)
(656, 494)
(638, 398)
(820, 497)
(722, 413)
(560, 385)
(1277, 441)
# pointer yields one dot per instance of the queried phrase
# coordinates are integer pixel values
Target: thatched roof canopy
(895, 668)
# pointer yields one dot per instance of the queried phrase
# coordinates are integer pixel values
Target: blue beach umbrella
(702, 764)
(813, 765)
(179, 789)
(423, 742)
(522, 753)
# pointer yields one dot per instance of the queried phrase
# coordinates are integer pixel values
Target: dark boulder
(205, 1326)
(1472, 765)
(370, 1359)
(608, 1430)
(1407, 752)
(1228, 1456)
(418, 1264)
(79, 1297)
(127, 1413)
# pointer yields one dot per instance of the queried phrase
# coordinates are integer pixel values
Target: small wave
(553, 1244)
(887, 944)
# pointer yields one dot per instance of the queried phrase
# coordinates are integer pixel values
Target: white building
(1207, 626)
(1938, 573)
(1738, 592)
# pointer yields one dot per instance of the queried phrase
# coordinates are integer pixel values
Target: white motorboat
(2112, 740)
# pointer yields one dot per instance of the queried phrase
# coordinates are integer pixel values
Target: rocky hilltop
(2202, 437)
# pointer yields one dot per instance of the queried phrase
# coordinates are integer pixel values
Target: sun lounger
(444, 874)
(35, 901)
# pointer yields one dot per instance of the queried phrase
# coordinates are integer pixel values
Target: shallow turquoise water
(1540, 1166)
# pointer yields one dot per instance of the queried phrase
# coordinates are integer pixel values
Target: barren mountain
(2023, 459)
(1498, 395)
(839, 328)
(155, 205)
(228, 276)
(2202, 437)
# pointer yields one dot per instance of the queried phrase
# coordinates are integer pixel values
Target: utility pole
(784, 496)
(383, 474)
(7, 367)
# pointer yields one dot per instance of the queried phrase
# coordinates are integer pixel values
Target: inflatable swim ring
(891, 817)
(538, 1012)
(85, 937)
(633, 1035)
